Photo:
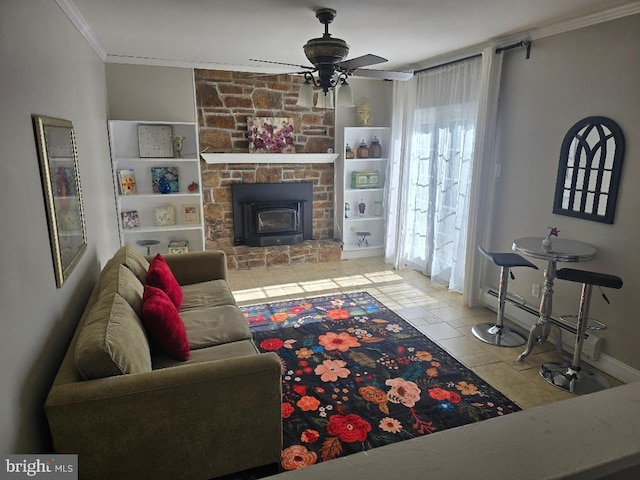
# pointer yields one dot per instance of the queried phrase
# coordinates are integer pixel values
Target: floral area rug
(356, 376)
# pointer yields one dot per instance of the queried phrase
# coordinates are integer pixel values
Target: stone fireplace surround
(217, 176)
(224, 100)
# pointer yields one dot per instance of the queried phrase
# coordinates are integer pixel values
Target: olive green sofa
(132, 412)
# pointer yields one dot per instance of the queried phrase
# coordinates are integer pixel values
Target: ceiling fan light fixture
(345, 95)
(305, 95)
(324, 100)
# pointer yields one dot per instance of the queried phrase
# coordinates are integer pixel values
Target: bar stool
(496, 333)
(570, 376)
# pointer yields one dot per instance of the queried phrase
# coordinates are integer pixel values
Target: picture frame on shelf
(165, 180)
(154, 141)
(191, 214)
(130, 219)
(127, 181)
(164, 216)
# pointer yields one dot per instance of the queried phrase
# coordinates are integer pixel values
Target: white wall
(591, 71)
(48, 69)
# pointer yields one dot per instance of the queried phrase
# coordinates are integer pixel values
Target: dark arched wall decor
(589, 170)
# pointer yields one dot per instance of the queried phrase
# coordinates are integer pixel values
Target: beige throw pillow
(112, 341)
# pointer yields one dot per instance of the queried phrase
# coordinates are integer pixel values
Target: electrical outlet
(535, 290)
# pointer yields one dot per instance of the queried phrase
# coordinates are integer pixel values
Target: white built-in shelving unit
(362, 233)
(125, 154)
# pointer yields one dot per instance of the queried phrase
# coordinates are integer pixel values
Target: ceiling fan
(327, 55)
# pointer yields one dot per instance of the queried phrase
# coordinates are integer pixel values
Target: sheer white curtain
(432, 168)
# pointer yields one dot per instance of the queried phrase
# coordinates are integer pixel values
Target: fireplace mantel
(219, 158)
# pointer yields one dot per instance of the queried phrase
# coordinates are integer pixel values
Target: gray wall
(141, 92)
(48, 69)
(591, 71)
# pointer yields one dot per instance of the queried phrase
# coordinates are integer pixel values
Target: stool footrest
(572, 320)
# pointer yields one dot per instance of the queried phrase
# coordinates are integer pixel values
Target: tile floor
(438, 313)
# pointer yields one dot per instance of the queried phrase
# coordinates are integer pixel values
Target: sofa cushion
(122, 281)
(112, 341)
(163, 322)
(130, 258)
(225, 351)
(160, 276)
(211, 326)
(206, 294)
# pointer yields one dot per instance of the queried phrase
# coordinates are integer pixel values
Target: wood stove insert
(266, 214)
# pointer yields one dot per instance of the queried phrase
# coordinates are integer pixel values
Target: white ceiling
(225, 34)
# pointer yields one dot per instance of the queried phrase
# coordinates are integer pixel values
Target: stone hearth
(309, 251)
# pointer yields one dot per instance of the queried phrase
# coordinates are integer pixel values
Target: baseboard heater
(525, 316)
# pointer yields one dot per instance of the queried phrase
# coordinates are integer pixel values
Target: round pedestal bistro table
(558, 250)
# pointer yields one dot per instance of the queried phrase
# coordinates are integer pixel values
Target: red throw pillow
(160, 276)
(163, 322)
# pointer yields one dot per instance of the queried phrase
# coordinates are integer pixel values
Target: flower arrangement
(270, 135)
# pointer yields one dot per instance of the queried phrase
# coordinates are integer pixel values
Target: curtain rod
(522, 43)
(447, 63)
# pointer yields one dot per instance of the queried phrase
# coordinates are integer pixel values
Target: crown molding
(168, 62)
(614, 13)
(72, 12)
(564, 26)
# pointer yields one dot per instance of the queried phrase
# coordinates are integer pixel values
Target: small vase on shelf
(375, 149)
(348, 152)
(362, 207)
(177, 145)
(363, 150)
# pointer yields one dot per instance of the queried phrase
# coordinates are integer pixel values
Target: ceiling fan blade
(363, 61)
(281, 63)
(266, 75)
(382, 74)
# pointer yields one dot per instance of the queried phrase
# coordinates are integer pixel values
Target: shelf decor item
(130, 219)
(178, 142)
(154, 141)
(127, 180)
(368, 179)
(362, 207)
(58, 156)
(375, 149)
(270, 135)
(165, 180)
(178, 246)
(147, 244)
(378, 211)
(348, 154)
(363, 150)
(190, 214)
(364, 112)
(164, 216)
